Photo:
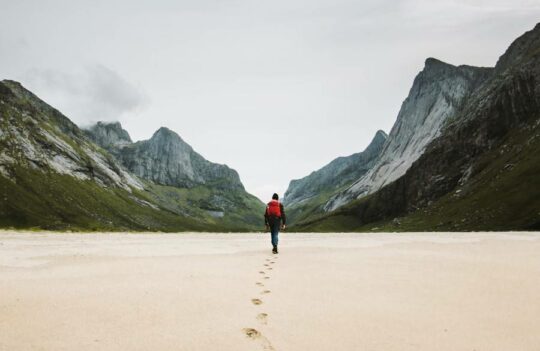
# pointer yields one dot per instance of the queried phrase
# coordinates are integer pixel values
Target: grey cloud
(94, 93)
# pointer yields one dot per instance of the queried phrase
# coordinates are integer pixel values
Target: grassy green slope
(243, 210)
(60, 202)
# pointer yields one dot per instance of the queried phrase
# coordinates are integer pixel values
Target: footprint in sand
(265, 292)
(266, 277)
(256, 301)
(266, 265)
(272, 262)
(262, 317)
(261, 272)
(259, 284)
(254, 334)
(269, 268)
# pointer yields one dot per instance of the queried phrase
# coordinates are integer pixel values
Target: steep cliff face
(481, 173)
(438, 93)
(36, 136)
(108, 135)
(164, 159)
(336, 174)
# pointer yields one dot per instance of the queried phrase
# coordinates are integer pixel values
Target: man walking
(274, 219)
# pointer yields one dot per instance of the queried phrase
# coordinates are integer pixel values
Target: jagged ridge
(336, 173)
(165, 158)
(438, 93)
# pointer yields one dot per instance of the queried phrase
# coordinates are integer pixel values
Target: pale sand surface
(476, 291)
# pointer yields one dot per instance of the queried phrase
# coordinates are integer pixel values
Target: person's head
(275, 197)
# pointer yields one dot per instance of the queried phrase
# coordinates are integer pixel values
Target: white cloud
(94, 93)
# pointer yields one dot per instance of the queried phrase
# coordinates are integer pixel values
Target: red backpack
(273, 208)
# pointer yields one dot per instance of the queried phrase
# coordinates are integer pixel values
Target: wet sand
(434, 291)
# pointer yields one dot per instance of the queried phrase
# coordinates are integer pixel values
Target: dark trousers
(274, 230)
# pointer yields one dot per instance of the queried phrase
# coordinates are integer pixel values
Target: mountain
(38, 137)
(53, 176)
(438, 92)
(479, 173)
(165, 159)
(306, 196)
(180, 179)
(108, 135)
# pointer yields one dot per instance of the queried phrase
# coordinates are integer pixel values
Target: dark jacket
(272, 219)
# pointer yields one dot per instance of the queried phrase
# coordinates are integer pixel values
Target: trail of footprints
(262, 317)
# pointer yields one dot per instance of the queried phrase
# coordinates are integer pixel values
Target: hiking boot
(274, 250)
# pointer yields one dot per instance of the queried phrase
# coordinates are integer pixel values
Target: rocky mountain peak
(8, 86)
(165, 135)
(381, 134)
(13, 92)
(168, 145)
(165, 132)
(520, 49)
(438, 92)
(433, 63)
(378, 140)
(108, 134)
(335, 174)
(165, 158)
(16, 89)
(437, 70)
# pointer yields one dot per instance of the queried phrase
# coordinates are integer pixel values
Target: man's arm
(283, 217)
(266, 217)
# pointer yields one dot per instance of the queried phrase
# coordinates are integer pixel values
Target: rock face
(165, 159)
(108, 135)
(481, 173)
(336, 174)
(438, 93)
(37, 136)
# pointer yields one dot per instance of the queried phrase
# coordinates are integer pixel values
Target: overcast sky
(274, 89)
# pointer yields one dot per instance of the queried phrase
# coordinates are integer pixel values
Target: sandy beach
(433, 291)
